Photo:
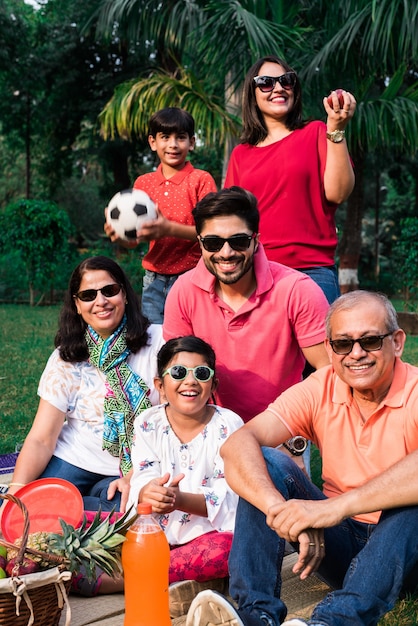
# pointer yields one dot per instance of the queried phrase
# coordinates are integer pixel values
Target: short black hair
(189, 343)
(230, 201)
(171, 120)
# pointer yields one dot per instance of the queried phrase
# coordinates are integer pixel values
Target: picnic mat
(300, 597)
(7, 464)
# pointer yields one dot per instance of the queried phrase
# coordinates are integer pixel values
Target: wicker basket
(33, 599)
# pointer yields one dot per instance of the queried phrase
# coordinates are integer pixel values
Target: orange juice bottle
(145, 562)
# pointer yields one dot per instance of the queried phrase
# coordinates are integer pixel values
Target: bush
(37, 255)
(129, 260)
(35, 242)
(405, 258)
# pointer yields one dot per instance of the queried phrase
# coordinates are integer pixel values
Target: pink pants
(203, 558)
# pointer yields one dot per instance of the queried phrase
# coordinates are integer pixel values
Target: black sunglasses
(267, 83)
(88, 295)
(202, 373)
(213, 243)
(368, 344)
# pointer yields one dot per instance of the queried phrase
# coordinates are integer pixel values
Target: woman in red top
(299, 171)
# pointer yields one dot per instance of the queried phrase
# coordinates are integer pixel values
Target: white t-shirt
(157, 450)
(78, 390)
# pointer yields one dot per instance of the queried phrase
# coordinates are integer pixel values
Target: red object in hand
(339, 93)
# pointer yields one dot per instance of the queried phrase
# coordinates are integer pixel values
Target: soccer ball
(127, 211)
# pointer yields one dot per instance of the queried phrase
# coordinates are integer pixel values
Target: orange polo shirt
(322, 409)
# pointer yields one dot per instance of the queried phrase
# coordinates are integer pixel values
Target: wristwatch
(336, 136)
(296, 445)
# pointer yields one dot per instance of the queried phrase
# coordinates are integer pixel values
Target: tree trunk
(350, 244)
(28, 147)
(117, 152)
(232, 105)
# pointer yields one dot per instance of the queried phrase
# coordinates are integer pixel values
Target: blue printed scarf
(127, 393)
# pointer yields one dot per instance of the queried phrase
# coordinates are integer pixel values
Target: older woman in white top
(98, 379)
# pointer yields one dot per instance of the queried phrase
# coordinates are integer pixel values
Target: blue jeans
(93, 487)
(327, 279)
(155, 288)
(365, 563)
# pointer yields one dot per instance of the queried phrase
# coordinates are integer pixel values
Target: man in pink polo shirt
(264, 320)
(362, 413)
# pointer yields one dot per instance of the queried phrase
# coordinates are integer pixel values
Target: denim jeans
(93, 487)
(366, 564)
(327, 279)
(155, 288)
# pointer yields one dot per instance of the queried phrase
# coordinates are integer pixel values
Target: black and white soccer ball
(128, 210)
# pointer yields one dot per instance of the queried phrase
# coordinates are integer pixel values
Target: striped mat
(7, 465)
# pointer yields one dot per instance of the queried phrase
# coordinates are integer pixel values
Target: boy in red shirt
(176, 187)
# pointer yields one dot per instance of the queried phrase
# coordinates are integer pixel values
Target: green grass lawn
(27, 339)
(27, 336)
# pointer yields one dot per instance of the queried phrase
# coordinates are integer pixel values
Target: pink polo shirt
(322, 409)
(258, 348)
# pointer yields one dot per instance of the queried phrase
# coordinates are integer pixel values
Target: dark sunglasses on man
(370, 343)
(240, 242)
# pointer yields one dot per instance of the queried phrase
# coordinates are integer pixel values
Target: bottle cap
(145, 508)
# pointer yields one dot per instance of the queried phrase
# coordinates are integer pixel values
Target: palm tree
(371, 47)
(199, 54)
(200, 51)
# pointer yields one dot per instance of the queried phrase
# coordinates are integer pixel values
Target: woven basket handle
(25, 534)
(53, 558)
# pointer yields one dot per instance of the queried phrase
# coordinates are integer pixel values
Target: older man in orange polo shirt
(362, 413)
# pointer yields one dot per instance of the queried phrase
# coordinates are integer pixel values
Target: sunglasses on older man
(267, 83)
(370, 343)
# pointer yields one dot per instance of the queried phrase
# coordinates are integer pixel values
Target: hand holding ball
(128, 210)
(339, 93)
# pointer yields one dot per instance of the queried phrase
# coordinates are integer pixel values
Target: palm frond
(128, 112)
(370, 31)
(386, 18)
(387, 124)
(242, 36)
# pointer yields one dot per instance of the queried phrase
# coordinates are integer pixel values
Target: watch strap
(291, 450)
(336, 136)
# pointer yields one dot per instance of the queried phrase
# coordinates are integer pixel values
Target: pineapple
(83, 547)
(37, 542)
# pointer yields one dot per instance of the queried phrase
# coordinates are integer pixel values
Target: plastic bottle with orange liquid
(145, 562)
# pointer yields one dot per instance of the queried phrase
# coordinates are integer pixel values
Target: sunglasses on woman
(202, 373)
(239, 243)
(371, 343)
(108, 291)
(267, 83)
